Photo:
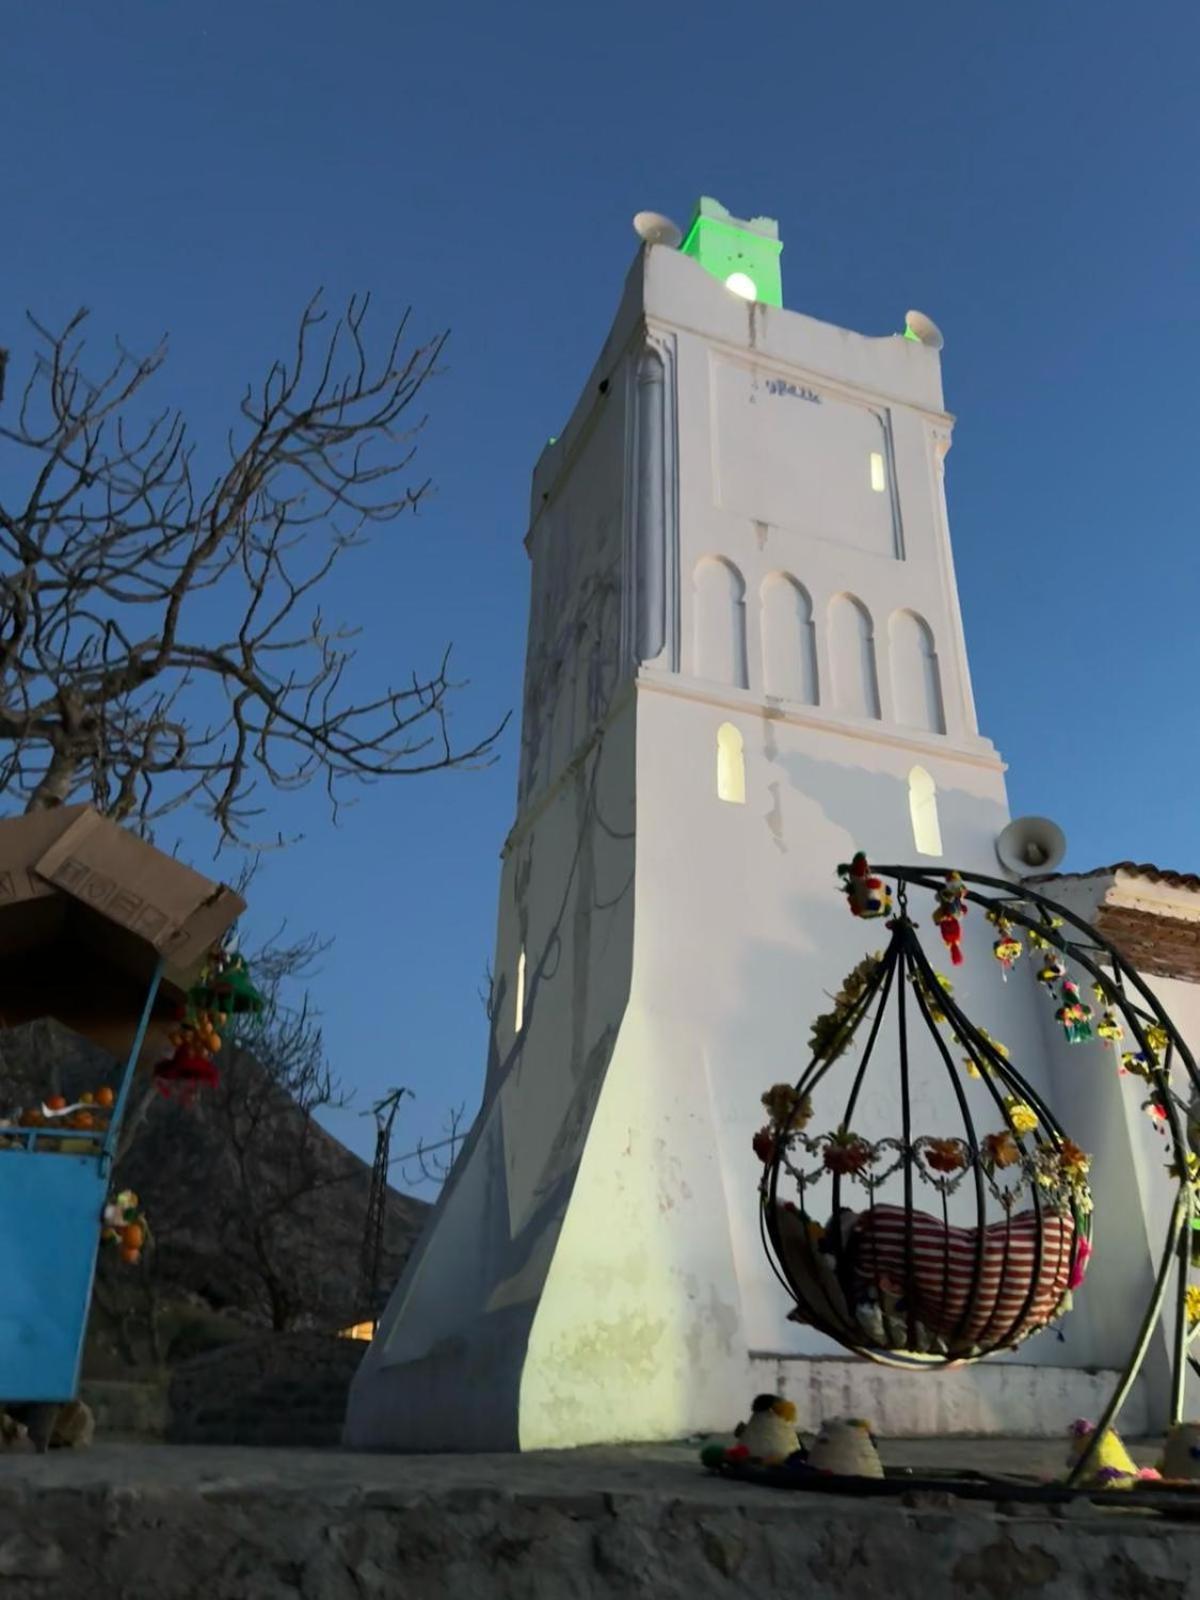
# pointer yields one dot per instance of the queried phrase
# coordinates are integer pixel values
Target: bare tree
(121, 559)
(432, 1167)
(254, 1209)
(278, 1163)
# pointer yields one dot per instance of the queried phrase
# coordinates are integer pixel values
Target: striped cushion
(944, 1270)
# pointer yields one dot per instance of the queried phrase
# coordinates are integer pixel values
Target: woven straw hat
(1182, 1457)
(770, 1435)
(1112, 1462)
(845, 1446)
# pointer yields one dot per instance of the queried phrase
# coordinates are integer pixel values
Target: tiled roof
(1135, 869)
(1159, 946)
(1156, 942)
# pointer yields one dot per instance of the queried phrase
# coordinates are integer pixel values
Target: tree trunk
(56, 783)
(140, 1100)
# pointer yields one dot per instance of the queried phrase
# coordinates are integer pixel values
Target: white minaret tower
(745, 661)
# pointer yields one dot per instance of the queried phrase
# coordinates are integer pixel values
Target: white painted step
(992, 1398)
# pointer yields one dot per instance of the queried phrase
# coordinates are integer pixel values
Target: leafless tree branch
(162, 640)
(433, 1168)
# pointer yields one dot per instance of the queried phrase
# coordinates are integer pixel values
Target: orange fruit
(130, 1256)
(105, 1098)
(55, 1102)
(83, 1119)
(133, 1236)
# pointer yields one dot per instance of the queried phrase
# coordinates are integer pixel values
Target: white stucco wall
(459, 1320)
(594, 1270)
(1134, 1193)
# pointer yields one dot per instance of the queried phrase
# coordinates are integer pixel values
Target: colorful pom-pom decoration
(949, 912)
(1008, 948)
(1052, 970)
(1036, 939)
(1074, 1014)
(1022, 1118)
(866, 895)
(1007, 952)
(1109, 1028)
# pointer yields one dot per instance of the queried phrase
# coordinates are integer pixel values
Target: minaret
(745, 660)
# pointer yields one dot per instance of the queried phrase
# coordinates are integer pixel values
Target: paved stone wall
(125, 1409)
(286, 1389)
(195, 1524)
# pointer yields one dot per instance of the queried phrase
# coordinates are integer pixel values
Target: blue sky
(1024, 172)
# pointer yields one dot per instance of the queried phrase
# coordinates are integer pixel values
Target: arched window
(719, 598)
(731, 765)
(519, 1014)
(916, 679)
(852, 657)
(788, 640)
(922, 806)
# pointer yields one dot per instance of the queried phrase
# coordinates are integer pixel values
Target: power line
(424, 1149)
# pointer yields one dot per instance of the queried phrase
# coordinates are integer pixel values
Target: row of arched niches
(828, 656)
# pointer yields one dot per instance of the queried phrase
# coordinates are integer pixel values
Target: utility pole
(371, 1265)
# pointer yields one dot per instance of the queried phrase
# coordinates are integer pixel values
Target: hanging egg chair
(961, 1229)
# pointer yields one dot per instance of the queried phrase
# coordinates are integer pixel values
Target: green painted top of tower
(743, 255)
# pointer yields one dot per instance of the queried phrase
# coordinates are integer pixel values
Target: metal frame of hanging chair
(904, 977)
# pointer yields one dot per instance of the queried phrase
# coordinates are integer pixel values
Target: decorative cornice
(755, 355)
(769, 709)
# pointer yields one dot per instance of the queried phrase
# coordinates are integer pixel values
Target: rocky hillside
(256, 1213)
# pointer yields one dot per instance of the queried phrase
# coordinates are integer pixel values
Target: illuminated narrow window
(878, 480)
(922, 806)
(519, 1020)
(731, 765)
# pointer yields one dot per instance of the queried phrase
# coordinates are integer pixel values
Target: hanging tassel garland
(1074, 1015)
(951, 909)
(1008, 948)
(1109, 1028)
(867, 896)
(952, 937)
(1036, 939)
(1052, 971)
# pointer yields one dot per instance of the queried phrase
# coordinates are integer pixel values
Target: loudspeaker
(1031, 845)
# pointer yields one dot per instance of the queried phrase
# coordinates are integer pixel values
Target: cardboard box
(87, 909)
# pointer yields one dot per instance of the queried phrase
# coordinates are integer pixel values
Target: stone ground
(157, 1522)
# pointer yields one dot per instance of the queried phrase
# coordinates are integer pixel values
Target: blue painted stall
(104, 933)
(51, 1207)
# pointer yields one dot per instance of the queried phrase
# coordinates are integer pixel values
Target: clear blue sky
(1025, 172)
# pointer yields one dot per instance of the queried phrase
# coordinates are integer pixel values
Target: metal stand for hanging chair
(905, 978)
